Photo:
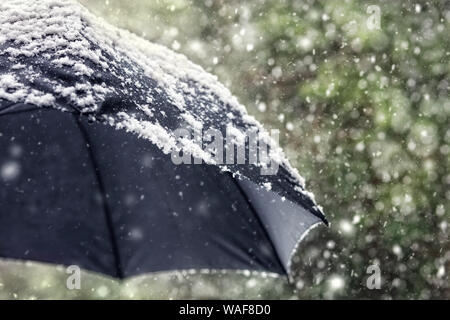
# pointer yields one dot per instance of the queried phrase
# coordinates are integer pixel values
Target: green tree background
(363, 114)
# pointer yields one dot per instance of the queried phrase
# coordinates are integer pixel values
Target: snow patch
(62, 39)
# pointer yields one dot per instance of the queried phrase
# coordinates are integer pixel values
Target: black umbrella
(89, 119)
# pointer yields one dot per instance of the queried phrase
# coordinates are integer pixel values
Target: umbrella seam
(8, 110)
(258, 220)
(106, 210)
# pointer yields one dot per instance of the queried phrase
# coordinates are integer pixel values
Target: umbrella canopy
(89, 116)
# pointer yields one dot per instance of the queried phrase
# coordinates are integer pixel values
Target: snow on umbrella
(90, 117)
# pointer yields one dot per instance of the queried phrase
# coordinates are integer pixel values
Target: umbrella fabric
(87, 120)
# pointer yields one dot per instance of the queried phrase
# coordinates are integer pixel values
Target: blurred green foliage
(364, 115)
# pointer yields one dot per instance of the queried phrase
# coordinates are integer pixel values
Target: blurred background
(359, 92)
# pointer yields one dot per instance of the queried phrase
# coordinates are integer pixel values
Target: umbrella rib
(106, 210)
(9, 109)
(255, 213)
